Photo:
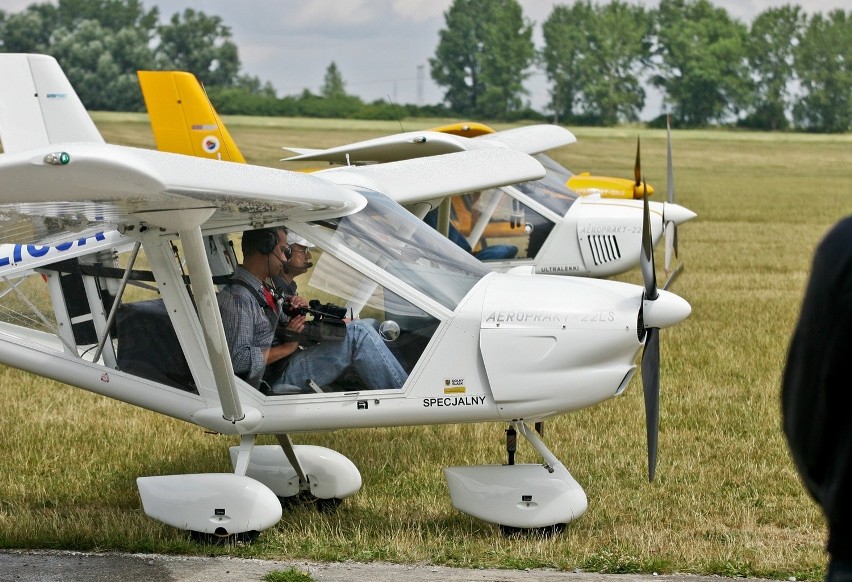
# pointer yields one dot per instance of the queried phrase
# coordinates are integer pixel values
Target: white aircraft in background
(478, 345)
(539, 223)
(592, 232)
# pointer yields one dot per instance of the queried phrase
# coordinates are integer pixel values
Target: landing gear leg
(304, 495)
(287, 446)
(511, 444)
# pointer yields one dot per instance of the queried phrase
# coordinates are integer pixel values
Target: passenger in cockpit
(251, 315)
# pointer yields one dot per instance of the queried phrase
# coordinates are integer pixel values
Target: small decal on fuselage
(610, 230)
(210, 144)
(558, 269)
(454, 386)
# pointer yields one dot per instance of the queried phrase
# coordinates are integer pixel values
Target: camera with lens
(317, 309)
(326, 324)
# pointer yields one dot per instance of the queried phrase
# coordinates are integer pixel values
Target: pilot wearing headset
(251, 314)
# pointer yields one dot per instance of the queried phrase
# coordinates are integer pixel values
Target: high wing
(529, 140)
(434, 177)
(391, 148)
(38, 106)
(532, 139)
(183, 119)
(81, 185)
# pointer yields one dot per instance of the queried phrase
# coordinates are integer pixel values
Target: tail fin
(183, 119)
(38, 105)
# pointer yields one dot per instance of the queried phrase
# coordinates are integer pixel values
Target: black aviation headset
(267, 240)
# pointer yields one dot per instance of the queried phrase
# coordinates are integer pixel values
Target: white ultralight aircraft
(542, 223)
(478, 345)
(555, 230)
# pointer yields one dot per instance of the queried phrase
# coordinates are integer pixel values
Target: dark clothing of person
(488, 253)
(817, 392)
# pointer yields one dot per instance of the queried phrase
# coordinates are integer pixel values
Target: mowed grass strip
(726, 499)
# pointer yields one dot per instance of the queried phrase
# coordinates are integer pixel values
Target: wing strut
(211, 323)
(114, 309)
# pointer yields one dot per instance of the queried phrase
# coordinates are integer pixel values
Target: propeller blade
(651, 389)
(669, 169)
(649, 277)
(672, 277)
(670, 227)
(637, 167)
(671, 234)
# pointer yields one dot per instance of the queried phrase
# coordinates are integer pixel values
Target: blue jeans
(362, 349)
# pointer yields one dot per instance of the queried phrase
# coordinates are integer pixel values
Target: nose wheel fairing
(522, 496)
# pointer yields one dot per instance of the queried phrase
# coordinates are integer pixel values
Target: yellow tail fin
(183, 119)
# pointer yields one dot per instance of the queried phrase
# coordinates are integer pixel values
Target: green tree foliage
(99, 43)
(102, 66)
(593, 57)
(102, 43)
(199, 44)
(110, 14)
(773, 35)
(701, 61)
(332, 84)
(28, 30)
(483, 58)
(822, 63)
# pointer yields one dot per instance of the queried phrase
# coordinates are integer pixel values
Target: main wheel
(223, 538)
(544, 532)
(305, 499)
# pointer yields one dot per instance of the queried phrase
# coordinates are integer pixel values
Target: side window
(337, 291)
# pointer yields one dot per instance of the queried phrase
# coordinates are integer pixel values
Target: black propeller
(651, 354)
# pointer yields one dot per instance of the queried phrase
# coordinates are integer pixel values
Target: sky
(381, 47)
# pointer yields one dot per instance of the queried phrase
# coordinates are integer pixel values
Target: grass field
(726, 499)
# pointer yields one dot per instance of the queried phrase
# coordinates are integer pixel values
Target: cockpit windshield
(389, 236)
(551, 191)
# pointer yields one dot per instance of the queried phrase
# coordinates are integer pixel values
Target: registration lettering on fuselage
(523, 317)
(448, 401)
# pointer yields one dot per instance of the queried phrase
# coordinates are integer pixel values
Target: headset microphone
(283, 264)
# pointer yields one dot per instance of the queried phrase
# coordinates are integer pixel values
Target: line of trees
(600, 58)
(786, 70)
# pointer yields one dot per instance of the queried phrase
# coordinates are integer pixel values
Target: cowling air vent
(604, 248)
